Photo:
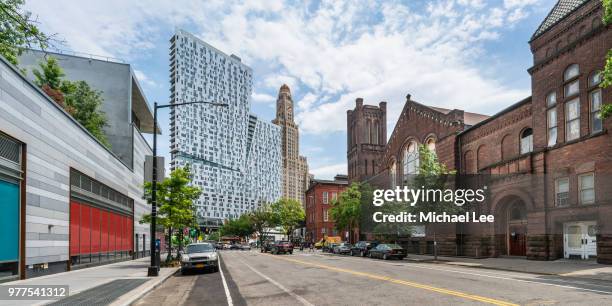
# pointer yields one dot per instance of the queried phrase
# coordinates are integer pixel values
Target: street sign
(161, 169)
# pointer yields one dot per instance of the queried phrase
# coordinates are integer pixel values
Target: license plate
(200, 265)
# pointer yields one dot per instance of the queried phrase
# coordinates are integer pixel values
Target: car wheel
(385, 257)
(183, 271)
(291, 252)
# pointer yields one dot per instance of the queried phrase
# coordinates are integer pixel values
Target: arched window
(571, 72)
(393, 174)
(431, 144)
(375, 132)
(410, 160)
(506, 147)
(526, 141)
(369, 131)
(468, 162)
(572, 85)
(481, 157)
(595, 78)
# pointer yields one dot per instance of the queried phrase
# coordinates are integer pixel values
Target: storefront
(101, 222)
(11, 177)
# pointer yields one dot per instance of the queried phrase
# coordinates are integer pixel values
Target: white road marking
(491, 276)
(297, 297)
(225, 287)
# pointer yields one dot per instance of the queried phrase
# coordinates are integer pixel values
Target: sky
(465, 54)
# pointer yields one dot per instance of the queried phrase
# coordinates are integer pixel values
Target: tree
(433, 175)
(241, 227)
(346, 209)
(175, 204)
(289, 213)
(263, 220)
(86, 103)
(214, 236)
(18, 31)
(606, 109)
(77, 98)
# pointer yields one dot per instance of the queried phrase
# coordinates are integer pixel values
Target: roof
(561, 10)
(468, 118)
(505, 110)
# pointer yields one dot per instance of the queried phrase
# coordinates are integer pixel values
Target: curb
(149, 287)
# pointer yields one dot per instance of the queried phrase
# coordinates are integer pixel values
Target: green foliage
(18, 31)
(214, 236)
(86, 103)
(241, 227)
(607, 16)
(175, 202)
(77, 98)
(288, 213)
(346, 210)
(606, 109)
(263, 219)
(50, 75)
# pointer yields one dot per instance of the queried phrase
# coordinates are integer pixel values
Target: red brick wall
(315, 208)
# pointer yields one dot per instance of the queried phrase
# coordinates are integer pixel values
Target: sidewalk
(588, 269)
(84, 279)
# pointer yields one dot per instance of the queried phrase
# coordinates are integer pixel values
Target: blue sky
(465, 54)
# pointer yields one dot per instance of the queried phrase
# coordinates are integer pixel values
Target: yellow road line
(402, 282)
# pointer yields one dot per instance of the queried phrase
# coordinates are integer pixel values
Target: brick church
(548, 157)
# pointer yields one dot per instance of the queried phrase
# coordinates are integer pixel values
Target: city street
(253, 278)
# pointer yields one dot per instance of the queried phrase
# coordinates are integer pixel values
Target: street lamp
(154, 268)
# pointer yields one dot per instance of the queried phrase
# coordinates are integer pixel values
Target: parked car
(362, 248)
(201, 255)
(282, 247)
(342, 248)
(235, 247)
(266, 246)
(245, 247)
(328, 247)
(387, 251)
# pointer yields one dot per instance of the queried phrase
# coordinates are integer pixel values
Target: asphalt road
(252, 278)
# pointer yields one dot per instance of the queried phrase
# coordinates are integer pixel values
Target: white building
(235, 157)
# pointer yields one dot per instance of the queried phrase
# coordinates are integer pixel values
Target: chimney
(359, 102)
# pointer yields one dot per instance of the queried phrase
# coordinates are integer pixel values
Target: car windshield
(394, 246)
(200, 248)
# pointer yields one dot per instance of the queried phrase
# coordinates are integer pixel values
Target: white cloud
(144, 79)
(329, 171)
(338, 50)
(263, 98)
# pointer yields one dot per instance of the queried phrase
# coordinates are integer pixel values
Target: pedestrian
(311, 246)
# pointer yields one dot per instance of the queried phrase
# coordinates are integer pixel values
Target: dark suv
(362, 248)
(282, 247)
(266, 246)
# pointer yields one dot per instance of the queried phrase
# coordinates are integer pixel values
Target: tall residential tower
(235, 157)
(295, 167)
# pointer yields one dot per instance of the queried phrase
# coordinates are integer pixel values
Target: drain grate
(103, 294)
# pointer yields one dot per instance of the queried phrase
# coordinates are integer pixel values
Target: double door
(580, 240)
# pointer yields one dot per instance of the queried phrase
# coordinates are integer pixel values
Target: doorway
(580, 239)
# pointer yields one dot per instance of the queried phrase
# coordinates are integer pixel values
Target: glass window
(586, 185)
(527, 141)
(595, 78)
(572, 88)
(570, 72)
(572, 120)
(562, 191)
(431, 145)
(551, 99)
(596, 125)
(411, 160)
(393, 175)
(334, 196)
(325, 215)
(325, 198)
(552, 126)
